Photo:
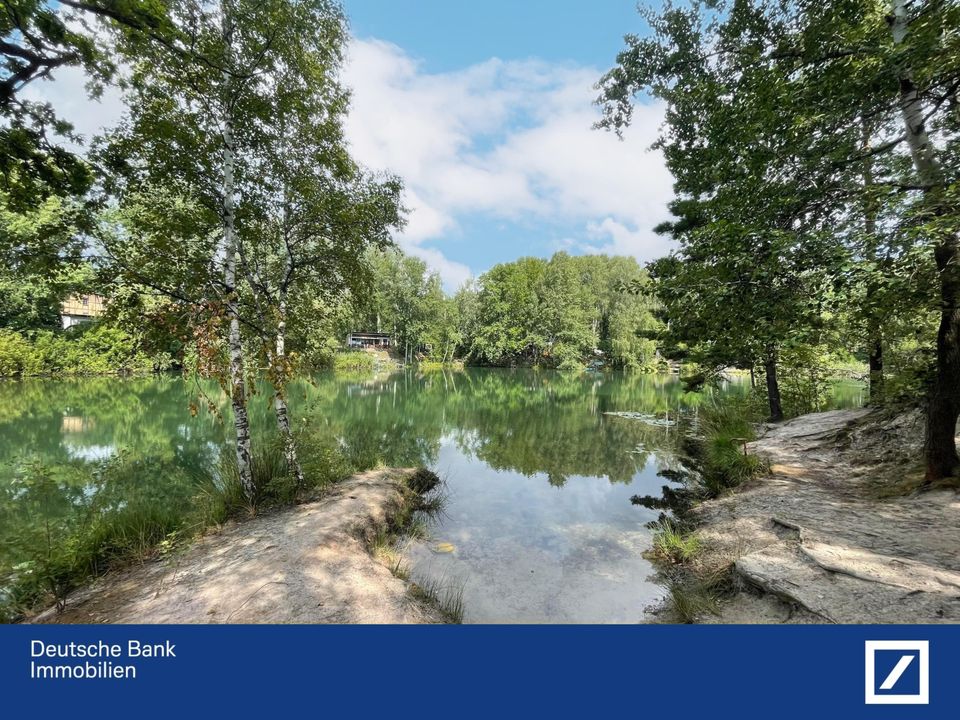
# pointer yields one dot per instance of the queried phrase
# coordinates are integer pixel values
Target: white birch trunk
(279, 398)
(911, 107)
(238, 394)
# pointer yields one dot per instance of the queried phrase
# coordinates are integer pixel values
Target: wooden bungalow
(78, 309)
(369, 340)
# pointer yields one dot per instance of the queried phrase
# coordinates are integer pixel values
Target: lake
(538, 525)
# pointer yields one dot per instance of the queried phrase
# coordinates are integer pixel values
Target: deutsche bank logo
(898, 672)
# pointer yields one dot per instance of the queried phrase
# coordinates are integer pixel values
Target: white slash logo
(911, 671)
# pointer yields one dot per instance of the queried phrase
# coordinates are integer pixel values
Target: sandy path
(308, 564)
(814, 533)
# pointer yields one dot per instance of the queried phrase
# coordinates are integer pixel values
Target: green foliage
(39, 249)
(355, 362)
(560, 312)
(274, 485)
(407, 301)
(804, 380)
(62, 524)
(814, 152)
(17, 356)
(688, 601)
(89, 349)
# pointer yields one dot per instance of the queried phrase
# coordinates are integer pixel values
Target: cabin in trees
(78, 309)
(369, 340)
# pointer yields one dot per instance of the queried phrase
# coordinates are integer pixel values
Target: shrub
(16, 355)
(93, 349)
(359, 362)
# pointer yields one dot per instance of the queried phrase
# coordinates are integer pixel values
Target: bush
(359, 362)
(93, 349)
(17, 357)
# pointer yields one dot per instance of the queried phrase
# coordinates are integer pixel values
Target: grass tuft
(727, 427)
(689, 601)
(446, 597)
(671, 543)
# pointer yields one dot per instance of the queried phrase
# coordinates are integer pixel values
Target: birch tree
(199, 137)
(316, 214)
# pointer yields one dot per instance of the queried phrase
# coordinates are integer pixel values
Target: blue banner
(770, 672)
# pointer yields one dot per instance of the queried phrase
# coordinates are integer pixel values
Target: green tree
(810, 119)
(507, 320)
(202, 135)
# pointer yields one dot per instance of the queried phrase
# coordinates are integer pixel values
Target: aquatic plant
(446, 596)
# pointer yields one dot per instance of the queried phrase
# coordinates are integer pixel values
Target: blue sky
(452, 34)
(484, 108)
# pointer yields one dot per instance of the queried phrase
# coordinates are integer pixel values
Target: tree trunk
(943, 404)
(238, 393)
(876, 367)
(773, 385)
(871, 250)
(279, 400)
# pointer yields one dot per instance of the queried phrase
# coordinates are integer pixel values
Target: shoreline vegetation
(317, 561)
(145, 510)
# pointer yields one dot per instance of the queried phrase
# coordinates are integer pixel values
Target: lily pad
(645, 418)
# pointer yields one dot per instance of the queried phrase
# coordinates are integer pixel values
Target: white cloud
(615, 238)
(454, 274)
(512, 140)
(67, 93)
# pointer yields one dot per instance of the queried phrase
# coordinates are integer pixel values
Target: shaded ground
(308, 564)
(835, 533)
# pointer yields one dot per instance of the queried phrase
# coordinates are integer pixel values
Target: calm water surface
(539, 475)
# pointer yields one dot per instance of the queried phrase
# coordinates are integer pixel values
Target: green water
(539, 476)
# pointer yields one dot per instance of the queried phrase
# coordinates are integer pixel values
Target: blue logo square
(889, 661)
